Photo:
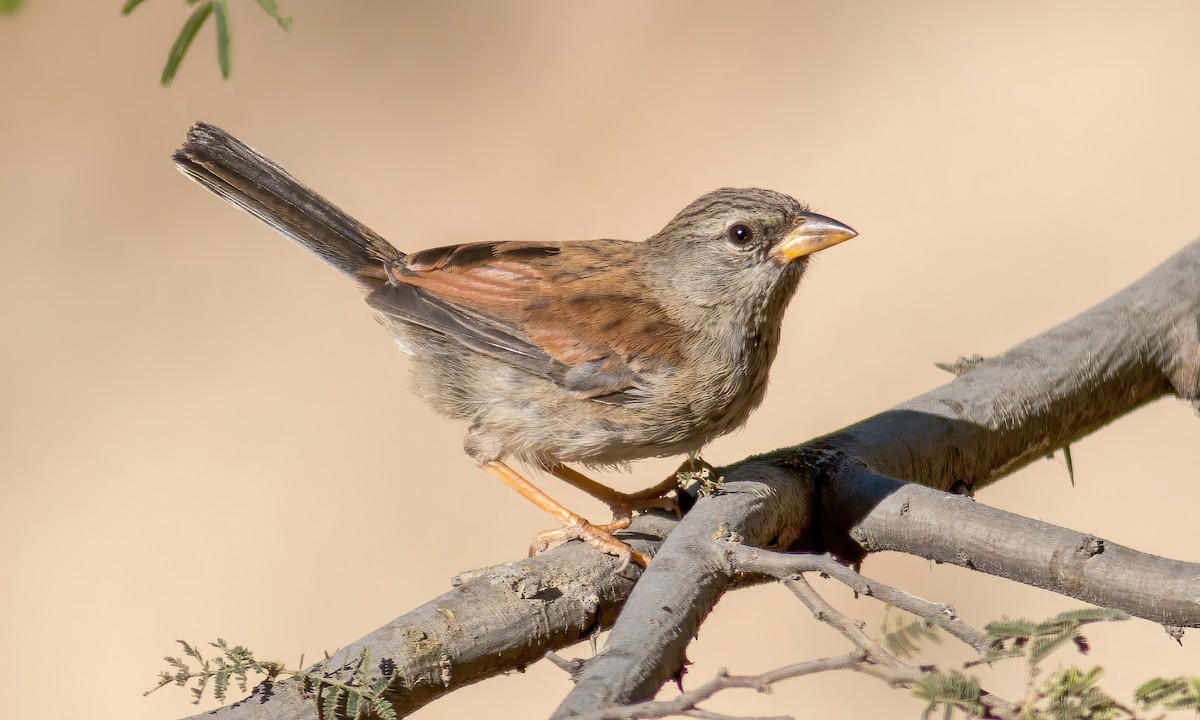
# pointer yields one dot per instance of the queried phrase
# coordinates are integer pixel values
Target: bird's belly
(551, 425)
(514, 414)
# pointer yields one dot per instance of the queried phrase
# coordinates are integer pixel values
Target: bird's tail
(236, 172)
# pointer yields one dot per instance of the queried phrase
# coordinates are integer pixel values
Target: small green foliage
(219, 10)
(333, 698)
(359, 689)
(1069, 694)
(8, 7)
(1072, 693)
(360, 694)
(904, 639)
(355, 691)
(1037, 640)
(1179, 693)
(950, 691)
(234, 663)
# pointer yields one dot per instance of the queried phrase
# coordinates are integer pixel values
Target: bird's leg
(573, 526)
(622, 504)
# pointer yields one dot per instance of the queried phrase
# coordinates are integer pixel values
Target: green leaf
(8, 7)
(221, 683)
(1090, 615)
(905, 639)
(1007, 629)
(359, 676)
(224, 44)
(949, 690)
(1172, 694)
(384, 710)
(271, 8)
(1041, 647)
(129, 6)
(186, 35)
(333, 699)
(190, 651)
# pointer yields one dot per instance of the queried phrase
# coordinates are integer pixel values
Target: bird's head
(740, 252)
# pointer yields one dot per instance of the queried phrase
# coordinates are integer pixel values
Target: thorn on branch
(570, 667)
(962, 365)
(1175, 632)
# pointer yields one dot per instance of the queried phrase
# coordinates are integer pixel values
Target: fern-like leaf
(384, 710)
(1041, 647)
(949, 690)
(332, 700)
(190, 651)
(1005, 629)
(1082, 616)
(359, 675)
(1073, 694)
(221, 683)
(1172, 694)
(904, 639)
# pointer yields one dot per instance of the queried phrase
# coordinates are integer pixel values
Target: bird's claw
(652, 498)
(598, 536)
(627, 506)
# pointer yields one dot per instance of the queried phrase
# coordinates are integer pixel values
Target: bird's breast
(733, 377)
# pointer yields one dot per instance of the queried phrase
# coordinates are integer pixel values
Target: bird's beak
(812, 233)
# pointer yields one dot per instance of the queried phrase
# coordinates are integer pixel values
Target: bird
(593, 353)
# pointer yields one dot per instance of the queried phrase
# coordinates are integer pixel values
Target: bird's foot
(598, 536)
(623, 505)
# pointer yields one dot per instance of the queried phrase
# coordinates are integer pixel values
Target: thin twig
(783, 565)
(902, 673)
(708, 715)
(868, 657)
(687, 703)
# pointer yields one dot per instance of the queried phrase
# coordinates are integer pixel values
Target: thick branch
(493, 621)
(993, 419)
(1050, 390)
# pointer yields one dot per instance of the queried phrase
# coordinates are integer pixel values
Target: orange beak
(811, 234)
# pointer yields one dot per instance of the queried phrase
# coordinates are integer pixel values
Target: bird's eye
(740, 234)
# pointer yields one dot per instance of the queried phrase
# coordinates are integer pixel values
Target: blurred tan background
(205, 433)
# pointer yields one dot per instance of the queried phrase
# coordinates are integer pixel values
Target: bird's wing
(574, 313)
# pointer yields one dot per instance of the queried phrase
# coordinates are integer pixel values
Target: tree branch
(834, 493)
(781, 565)
(993, 419)
(868, 657)
(494, 620)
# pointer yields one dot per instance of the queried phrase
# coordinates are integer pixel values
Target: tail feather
(237, 173)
